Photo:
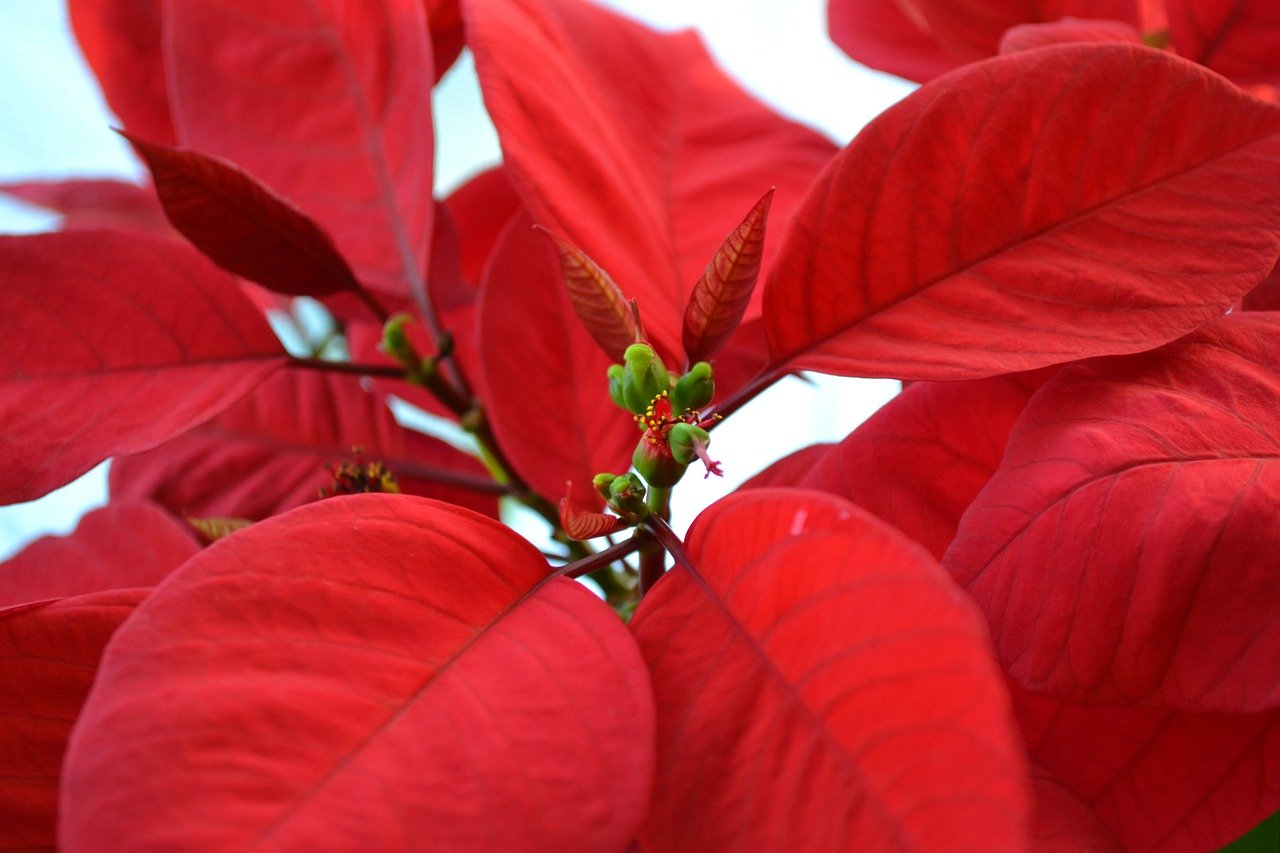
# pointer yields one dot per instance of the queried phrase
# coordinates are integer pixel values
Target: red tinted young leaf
(596, 299)
(326, 102)
(243, 226)
(89, 204)
(1123, 550)
(269, 452)
(113, 344)
(819, 681)
(888, 35)
(544, 377)
(632, 145)
(440, 688)
(720, 297)
(1067, 31)
(979, 228)
(1237, 38)
(48, 656)
(121, 39)
(1161, 779)
(125, 544)
(580, 524)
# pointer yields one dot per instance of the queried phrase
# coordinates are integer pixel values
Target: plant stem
(652, 557)
(602, 559)
(386, 370)
(745, 395)
(670, 541)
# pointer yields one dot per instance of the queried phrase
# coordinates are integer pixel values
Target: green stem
(653, 558)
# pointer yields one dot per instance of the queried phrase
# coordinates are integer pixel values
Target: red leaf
(890, 36)
(719, 299)
(1162, 780)
(326, 102)
(978, 228)
(267, 453)
(972, 29)
(596, 299)
(448, 34)
(580, 524)
(121, 41)
(1067, 31)
(86, 204)
(632, 145)
(544, 378)
(813, 650)
(125, 544)
(243, 226)
(129, 343)
(1063, 823)
(481, 208)
(48, 655)
(1123, 550)
(1236, 38)
(1266, 296)
(436, 687)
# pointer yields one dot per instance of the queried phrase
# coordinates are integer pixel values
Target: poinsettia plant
(1032, 603)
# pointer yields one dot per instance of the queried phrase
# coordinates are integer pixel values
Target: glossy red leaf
(269, 452)
(91, 204)
(919, 462)
(243, 226)
(544, 377)
(435, 684)
(124, 544)
(632, 144)
(121, 39)
(113, 344)
(1123, 550)
(978, 228)
(1067, 31)
(1161, 779)
(819, 681)
(596, 299)
(890, 36)
(719, 299)
(48, 656)
(329, 104)
(1237, 38)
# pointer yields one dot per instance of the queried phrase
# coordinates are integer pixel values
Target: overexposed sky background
(53, 124)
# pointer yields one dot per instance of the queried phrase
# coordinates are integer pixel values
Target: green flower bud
(395, 341)
(693, 390)
(615, 385)
(626, 497)
(684, 439)
(644, 377)
(602, 482)
(655, 463)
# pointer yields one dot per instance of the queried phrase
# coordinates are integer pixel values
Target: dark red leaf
(544, 380)
(448, 34)
(121, 39)
(978, 227)
(329, 104)
(243, 226)
(1266, 296)
(1123, 551)
(91, 204)
(888, 35)
(596, 299)
(48, 656)
(269, 452)
(114, 344)
(632, 145)
(971, 29)
(1067, 31)
(481, 208)
(1237, 38)
(719, 299)
(819, 681)
(1063, 822)
(125, 544)
(375, 671)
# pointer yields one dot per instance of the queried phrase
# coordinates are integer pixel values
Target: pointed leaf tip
(581, 524)
(720, 297)
(596, 298)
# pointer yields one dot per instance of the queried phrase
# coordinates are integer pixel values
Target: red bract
(96, 204)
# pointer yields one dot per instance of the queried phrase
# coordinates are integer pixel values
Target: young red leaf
(544, 377)
(91, 204)
(268, 453)
(632, 144)
(375, 671)
(1236, 38)
(326, 102)
(580, 524)
(243, 226)
(890, 36)
(121, 39)
(48, 656)
(124, 544)
(596, 299)
(113, 344)
(1123, 550)
(720, 297)
(819, 683)
(978, 227)
(1067, 31)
